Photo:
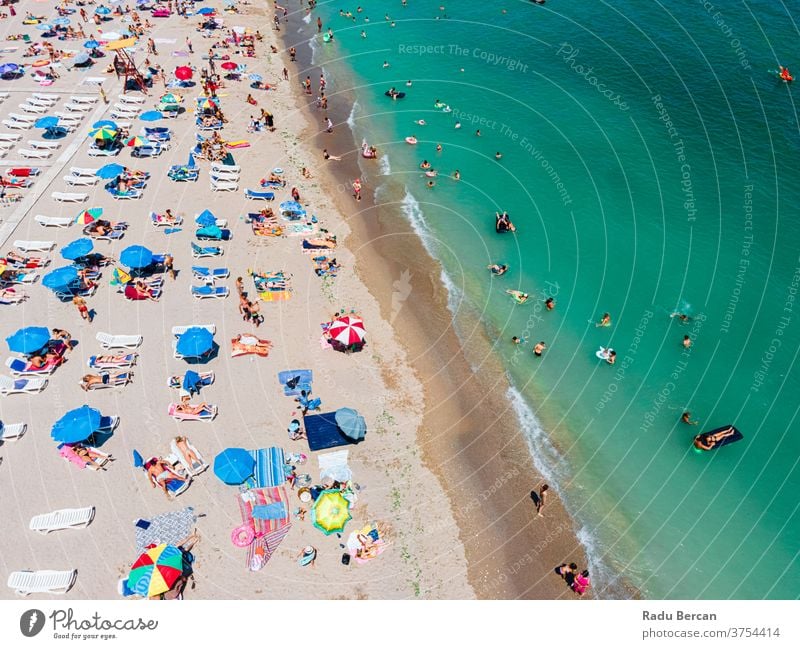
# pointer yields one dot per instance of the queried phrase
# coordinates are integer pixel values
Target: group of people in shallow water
(579, 582)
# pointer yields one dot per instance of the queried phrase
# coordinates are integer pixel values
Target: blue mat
(323, 432)
(303, 378)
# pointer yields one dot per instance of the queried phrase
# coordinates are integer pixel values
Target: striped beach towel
(263, 496)
(261, 550)
(270, 463)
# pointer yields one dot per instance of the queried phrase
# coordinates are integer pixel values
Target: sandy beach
(443, 467)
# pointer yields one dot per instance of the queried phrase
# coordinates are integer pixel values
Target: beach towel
(261, 550)
(275, 296)
(275, 511)
(238, 144)
(334, 465)
(170, 528)
(263, 496)
(269, 467)
(293, 381)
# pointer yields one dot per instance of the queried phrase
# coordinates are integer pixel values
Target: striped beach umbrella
(348, 330)
(103, 133)
(156, 570)
(89, 216)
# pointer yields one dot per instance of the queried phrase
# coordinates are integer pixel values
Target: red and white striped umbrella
(347, 330)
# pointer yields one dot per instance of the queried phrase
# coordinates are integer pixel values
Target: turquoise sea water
(649, 164)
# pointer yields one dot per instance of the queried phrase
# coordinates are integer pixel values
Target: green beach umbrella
(103, 133)
(331, 511)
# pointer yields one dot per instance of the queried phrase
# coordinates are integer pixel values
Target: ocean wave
(413, 212)
(307, 19)
(351, 118)
(384, 166)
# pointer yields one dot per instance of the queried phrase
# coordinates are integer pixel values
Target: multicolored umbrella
(348, 330)
(171, 98)
(331, 511)
(119, 276)
(137, 140)
(156, 570)
(206, 103)
(103, 133)
(184, 73)
(89, 216)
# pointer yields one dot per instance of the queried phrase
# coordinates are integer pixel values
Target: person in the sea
(456, 175)
(686, 418)
(517, 340)
(424, 165)
(681, 316)
(328, 156)
(605, 321)
(498, 155)
(707, 441)
(612, 357)
(539, 347)
(687, 342)
(498, 269)
(550, 304)
(784, 73)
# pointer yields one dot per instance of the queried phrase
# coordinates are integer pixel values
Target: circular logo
(31, 622)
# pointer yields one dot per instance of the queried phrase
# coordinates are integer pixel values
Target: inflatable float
(411, 140)
(503, 224)
(421, 122)
(367, 151)
(721, 436)
(604, 353)
(519, 296)
(396, 95)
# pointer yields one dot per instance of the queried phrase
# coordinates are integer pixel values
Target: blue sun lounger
(256, 195)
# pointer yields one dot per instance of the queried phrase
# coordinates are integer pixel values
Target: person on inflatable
(707, 441)
(784, 74)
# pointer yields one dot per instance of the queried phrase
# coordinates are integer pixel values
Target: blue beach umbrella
(76, 425)
(234, 465)
(136, 257)
(60, 277)
(111, 170)
(150, 116)
(103, 11)
(191, 162)
(8, 68)
(206, 218)
(28, 339)
(76, 249)
(351, 424)
(80, 58)
(205, 11)
(46, 122)
(195, 342)
(105, 123)
(63, 22)
(91, 44)
(44, 27)
(255, 77)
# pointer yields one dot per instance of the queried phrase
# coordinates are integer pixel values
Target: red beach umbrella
(229, 65)
(348, 330)
(184, 73)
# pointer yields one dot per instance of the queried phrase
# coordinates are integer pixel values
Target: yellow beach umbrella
(331, 511)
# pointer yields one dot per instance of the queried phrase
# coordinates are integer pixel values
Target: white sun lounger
(35, 154)
(94, 152)
(45, 95)
(68, 119)
(131, 99)
(124, 114)
(9, 385)
(55, 582)
(7, 146)
(37, 110)
(120, 341)
(10, 137)
(12, 432)
(47, 103)
(16, 124)
(48, 146)
(77, 108)
(66, 197)
(83, 181)
(22, 118)
(53, 221)
(179, 330)
(83, 171)
(63, 519)
(34, 246)
(83, 99)
(223, 174)
(219, 185)
(220, 168)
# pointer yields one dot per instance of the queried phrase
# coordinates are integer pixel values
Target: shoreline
(509, 553)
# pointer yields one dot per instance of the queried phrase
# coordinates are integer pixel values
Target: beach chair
(73, 107)
(192, 469)
(130, 194)
(116, 381)
(151, 150)
(121, 113)
(21, 126)
(257, 195)
(36, 154)
(106, 362)
(36, 110)
(83, 171)
(206, 415)
(131, 99)
(209, 274)
(10, 137)
(120, 341)
(220, 185)
(20, 367)
(206, 251)
(34, 246)
(10, 385)
(62, 519)
(214, 233)
(175, 487)
(24, 172)
(114, 235)
(108, 424)
(80, 181)
(12, 432)
(46, 146)
(96, 152)
(22, 118)
(204, 379)
(68, 119)
(53, 221)
(219, 168)
(83, 99)
(36, 101)
(10, 295)
(66, 197)
(70, 292)
(159, 221)
(46, 96)
(206, 291)
(157, 133)
(53, 582)
(179, 173)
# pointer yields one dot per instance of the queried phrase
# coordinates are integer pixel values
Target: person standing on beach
(541, 500)
(189, 45)
(328, 124)
(79, 302)
(319, 25)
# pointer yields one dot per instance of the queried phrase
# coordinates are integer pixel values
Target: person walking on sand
(189, 45)
(328, 124)
(79, 302)
(541, 500)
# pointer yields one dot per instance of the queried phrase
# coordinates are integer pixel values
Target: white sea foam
(351, 118)
(383, 165)
(307, 19)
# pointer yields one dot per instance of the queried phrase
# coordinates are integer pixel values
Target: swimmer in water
(605, 321)
(550, 304)
(386, 64)
(438, 148)
(519, 296)
(539, 347)
(681, 316)
(478, 133)
(424, 165)
(431, 184)
(686, 418)
(707, 441)
(498, 269)
(687, 342)
(421, 122)
(498, 155)
(456, 175)
(517, 340)
(612, 357)
(408, 83)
